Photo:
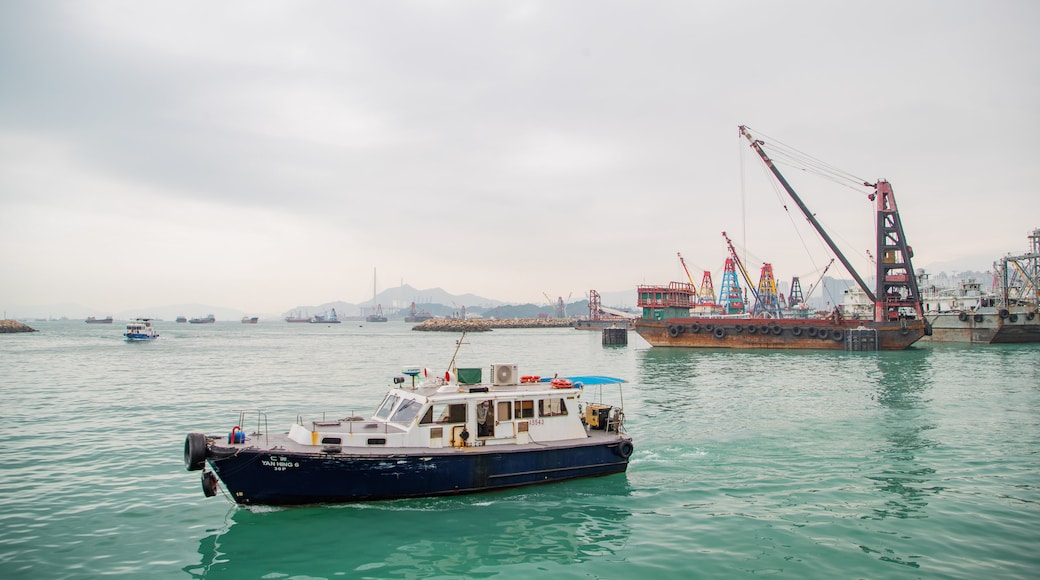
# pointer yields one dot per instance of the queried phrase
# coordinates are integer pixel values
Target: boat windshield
(387, 406)
(406, 412)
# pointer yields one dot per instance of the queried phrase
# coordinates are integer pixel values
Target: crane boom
(756, 144)
(688, 276)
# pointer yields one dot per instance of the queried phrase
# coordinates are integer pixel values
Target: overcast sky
(262, 155)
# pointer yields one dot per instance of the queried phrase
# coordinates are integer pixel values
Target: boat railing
(261, 419)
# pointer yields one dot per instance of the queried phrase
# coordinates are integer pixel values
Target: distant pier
(8, 326)
(486, 324)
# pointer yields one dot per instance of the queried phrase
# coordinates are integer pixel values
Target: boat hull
(814, 334)
(985, 326)
(275, 477)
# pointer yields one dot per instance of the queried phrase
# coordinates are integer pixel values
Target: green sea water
(916, 464)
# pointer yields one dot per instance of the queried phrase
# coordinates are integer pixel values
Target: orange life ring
(530, 379)
(562, 383)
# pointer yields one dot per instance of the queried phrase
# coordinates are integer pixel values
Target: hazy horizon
(270, 153)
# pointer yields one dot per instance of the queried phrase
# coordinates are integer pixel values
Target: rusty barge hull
(767, 333)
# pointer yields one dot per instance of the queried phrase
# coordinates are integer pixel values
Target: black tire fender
(720, 332)
(194, 451)
(673, 331)
(695, 328)
(796, 331)
(625, 449)
(209, 483)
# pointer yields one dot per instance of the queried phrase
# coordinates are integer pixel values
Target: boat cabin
(441, 414)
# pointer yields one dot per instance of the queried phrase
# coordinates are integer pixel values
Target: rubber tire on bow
(194, 451)
(209, 483)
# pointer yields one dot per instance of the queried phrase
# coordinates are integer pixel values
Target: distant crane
(559, 308)
(740, 266)
(693, 285)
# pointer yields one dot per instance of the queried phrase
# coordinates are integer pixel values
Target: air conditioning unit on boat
(504, 374)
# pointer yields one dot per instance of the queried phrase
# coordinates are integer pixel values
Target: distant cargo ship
(208, 319)
(92, 320)
(325, 318)
(415, 315)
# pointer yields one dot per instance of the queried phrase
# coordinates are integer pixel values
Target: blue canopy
(588, 380)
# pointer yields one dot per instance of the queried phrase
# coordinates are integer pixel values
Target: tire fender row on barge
(720, 332)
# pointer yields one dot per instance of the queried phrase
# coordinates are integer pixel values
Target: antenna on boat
(458, 345)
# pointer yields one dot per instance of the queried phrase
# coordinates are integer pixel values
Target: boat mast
(757, 146)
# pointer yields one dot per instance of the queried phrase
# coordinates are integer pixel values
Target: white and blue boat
(140, 330)
(449, 434)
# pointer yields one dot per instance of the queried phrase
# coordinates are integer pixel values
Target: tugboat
(897, 318)
(140, 330)
(450, 434)
(1008, 314)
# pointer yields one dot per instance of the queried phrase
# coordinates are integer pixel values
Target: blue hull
(264, 477)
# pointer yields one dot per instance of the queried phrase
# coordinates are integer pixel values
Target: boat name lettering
(279, 463)
(537, 421)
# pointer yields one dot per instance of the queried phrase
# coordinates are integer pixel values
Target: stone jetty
(7, 326)
(486, 324)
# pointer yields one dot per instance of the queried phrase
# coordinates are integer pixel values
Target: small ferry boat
(449, 434)
(140, 330)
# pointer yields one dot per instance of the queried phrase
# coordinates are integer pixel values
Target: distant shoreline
(487, 324)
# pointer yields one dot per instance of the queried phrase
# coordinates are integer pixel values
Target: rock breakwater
(486, 324)
(8, 326)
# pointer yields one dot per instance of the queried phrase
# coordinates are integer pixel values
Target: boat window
(443, 413)
(385, 408)
(504, 411)
(551, 407)
(523, 409)
(406, 412)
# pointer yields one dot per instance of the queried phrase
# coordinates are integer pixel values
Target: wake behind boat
(449, 434)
